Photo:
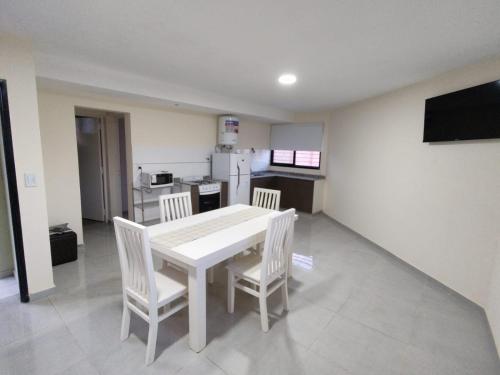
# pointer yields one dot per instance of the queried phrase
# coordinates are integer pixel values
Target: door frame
(98, 113)
(15, 213)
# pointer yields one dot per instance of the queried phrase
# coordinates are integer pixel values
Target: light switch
(29, 180)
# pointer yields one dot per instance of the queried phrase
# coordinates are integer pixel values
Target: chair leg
(284, 293)
(230, 292)
(211, 275)
(125, 323)
(152, 335)
(263, 309)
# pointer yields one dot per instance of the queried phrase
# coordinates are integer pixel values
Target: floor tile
(47, 352)
(384, 312)
(20, 320)
(358, 348)
(81, 368)
(8, 287)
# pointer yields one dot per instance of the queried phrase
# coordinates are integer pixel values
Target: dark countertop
(300, 176)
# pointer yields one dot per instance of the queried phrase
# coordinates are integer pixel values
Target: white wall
(253, 134)
(177, 141)
(60, 160)
(17, 68)
(436, 206)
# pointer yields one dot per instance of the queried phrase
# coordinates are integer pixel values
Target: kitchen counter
(299, 176)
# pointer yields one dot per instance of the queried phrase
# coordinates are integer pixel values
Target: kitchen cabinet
(195, 199)
(295, 192)
(223, 194)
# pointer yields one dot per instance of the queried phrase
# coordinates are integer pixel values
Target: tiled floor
(354, 310)
(8, 287)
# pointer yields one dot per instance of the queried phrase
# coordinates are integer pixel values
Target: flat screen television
(472, 113)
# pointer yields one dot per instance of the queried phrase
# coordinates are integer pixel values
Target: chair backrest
(277, 245)
(266, 198)
(136, 261)
(175, 206)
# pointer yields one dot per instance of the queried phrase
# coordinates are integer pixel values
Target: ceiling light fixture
(287, 79)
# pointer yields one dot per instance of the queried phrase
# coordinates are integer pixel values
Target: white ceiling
(341, 51)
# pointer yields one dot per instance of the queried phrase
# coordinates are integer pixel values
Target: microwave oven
(157, 180)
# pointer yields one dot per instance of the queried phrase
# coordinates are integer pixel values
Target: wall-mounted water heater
(228, 130)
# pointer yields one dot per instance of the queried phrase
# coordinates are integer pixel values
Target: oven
(209, 201)
(209, 195)
(206, 192)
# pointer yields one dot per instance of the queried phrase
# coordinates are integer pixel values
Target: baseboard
(41, 295)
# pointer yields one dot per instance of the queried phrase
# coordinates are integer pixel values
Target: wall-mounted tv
(473, 113)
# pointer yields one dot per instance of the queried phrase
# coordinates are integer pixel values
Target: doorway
(91, 167)
(13, 279)
(103, 139)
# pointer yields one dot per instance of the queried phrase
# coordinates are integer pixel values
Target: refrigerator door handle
(238, 167)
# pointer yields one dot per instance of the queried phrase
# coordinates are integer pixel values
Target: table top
(214, 247)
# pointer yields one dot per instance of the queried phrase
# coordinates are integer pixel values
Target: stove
(205, 186)
(209, 193)
(209, 188)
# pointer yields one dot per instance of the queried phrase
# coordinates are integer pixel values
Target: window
(297, 159)
(309, 159)
(284, 157)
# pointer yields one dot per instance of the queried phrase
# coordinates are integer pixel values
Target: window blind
(304, 137)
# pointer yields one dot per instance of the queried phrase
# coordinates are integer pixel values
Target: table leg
(197, 309)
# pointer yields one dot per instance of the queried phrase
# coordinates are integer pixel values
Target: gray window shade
(303, 137)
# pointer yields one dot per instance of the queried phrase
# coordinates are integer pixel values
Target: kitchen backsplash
(260, 160)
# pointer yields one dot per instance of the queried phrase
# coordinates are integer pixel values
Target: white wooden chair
(175, 206)
(266, 274)
(266, 198)
(145, 291)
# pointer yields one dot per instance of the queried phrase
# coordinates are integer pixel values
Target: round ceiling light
(287, 79)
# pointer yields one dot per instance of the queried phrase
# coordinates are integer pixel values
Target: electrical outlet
(29, 180)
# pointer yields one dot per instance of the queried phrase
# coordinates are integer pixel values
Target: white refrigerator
(235, 169)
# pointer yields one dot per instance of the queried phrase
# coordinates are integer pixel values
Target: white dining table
(197, 255)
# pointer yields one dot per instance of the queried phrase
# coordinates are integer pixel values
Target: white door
(240, 163)
(90, 165)
(239, 192)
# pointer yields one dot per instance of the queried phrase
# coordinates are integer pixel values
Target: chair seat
(247, 266)
(170, 284)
